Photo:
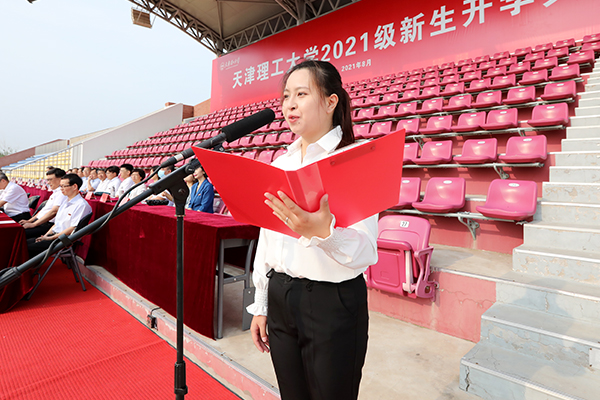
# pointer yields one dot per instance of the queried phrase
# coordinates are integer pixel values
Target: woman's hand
(258, 328)
(302, 222)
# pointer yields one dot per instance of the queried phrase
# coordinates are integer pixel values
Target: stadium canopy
(224, 26)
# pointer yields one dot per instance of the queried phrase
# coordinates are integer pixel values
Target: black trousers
(38, 230)
(18, 217)
(318, 335)
(37, 248)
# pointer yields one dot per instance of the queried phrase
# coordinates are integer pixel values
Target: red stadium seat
(450, 78)
(497, 71)
(287, 137)
(565, 43)
(501, 119)
(533, 57)
(595, 46)
(379, 129)
(443, 195)
(429, 92)
(449, 71)
(525, 149)
(508, 61)
(559, 53)
(520, 95)
(546, 63)
(565, 72)
(559, 91)
(279, 153)
(469, 122)
(543, 47)
(410, 192)
(479, 85)
(484, 66)
(410, 125)
(450, 65)
(510, 199)
(250, 154)
(457, 103)
(410, 153)
(471, 76)
(431, 106)
(534, 77)
(410, 95)
(522, 51)
(266, 156)
(481, 59)
(488, 99)
(405, 109)
(478, 151)
(431, 82)
(550, 114)
(364, 114)
(385, 112)
(246, 141)
(503, 82)
(388, 98)
(520, 68)
(412, 85)
(591, 38)
(453, 88)
(272, 139)
(438, 152)
(403, 257)
(438, 125)
(500, 55)
(582, 57)
(361, 130)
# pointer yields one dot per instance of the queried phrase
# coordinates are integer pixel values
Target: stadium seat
(438, 125)
(272, 139)
(364, 114)
(435, 152)
(533, 57)
(497, 71)
(279, 153)
(450, 65)
(565, 72)
(451, 78)
(449, 71)
(525, 149)
(431, 82)
(543, 47)
(559, 91)
(534, 77)
(565, 43)
(550, 114)
(501, 119)
(485, 65)
(595, 46)
(591, 38)
(478, 151)
(503, 82)
(521, 52)
(510, 199)
(479, 85)
(410, 152)
(559, 53)
(443, 195)
(500, 55)
(457, 103)
(471, 76)
(582, 57)
(410, 192)
(379, 129)
(520, 95)
(287, 137)
(546, 63)
(412, 85)
(520, 68)
(481, 59)
(406, 109)
(403, 257)
(411, 126)
(410, 95)
(357, 102)
(388, 98)
(453, 88)
(469, 122)
(429, 92)
(246, 141)
(266, 156)
(508, 61)
(488, 99)
(361, 130)
(431, 106)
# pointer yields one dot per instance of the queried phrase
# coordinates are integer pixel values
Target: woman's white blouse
(343, 255)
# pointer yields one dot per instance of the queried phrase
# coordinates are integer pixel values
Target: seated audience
(101, 188)
(125, 175)
(189, 181)
(137, 176)
(112, 174)
(73, 209)
(41, 222)
(202, 193)
(165, 195)
(93, 181)
(85, 175)
(13, 199)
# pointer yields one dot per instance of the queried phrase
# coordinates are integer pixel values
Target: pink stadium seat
(234, 144)
(471, 76)
(559, 90)
(258, 140)
(533, 57)
(525, 149)
(411, 126)
(582, 57)
(543, 47)
(559, 53)
(272, 139)
(450, 64)
(443, 195)
(508, 61)
(466, 61)
(497, 71)
(520, 95)
(457, 103)
(379, 129)
(250, 154)
(403, 257)
(550, 114)
(565, 72)
(488, 99)
(390, 98)
(449, 71)
(546, 63)
(279, 153)
(385, 112)
(453, 88)
(412, 85)
(500, 55)
(287, 137)
(438, 152)
(595, 46)
(478, 151)
(468, 68)
(430, 74)
(431, 82)
(429, 92)
(246, 141)
(481, 59)
(469, 122)
(441, 124)
(357, 102)
(565, 43)
(410, 95)
(479, 85)
(361, 130)
(372, 100)
(504, 81)
(431, 106)
(501, 119)
(534, 77)
(364, 114)
(522, 51)
(266, 156)
(485, 65)
(450, 78)
(410, 192)
(510, 199)
(410, 152)
(406, 109)
(520, 68)
(591, 38)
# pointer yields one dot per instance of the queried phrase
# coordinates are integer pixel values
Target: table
(139, 248)
(13, 252)
(33, 191)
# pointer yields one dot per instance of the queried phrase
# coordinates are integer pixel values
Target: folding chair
(478, 151)
(443, 195)
(525, 149)
(510, 199)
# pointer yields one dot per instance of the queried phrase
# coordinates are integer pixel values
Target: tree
(5, 149)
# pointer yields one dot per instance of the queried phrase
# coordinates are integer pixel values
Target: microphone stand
(176, 185)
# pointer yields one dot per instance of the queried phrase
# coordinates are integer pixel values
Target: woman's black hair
(328, 82)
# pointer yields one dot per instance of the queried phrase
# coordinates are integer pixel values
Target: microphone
(228, 133)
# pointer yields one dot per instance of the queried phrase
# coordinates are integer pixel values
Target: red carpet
(68, 344)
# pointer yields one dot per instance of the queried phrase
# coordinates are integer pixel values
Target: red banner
(374, 37)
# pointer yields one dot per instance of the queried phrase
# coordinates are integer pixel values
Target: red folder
(360, 181)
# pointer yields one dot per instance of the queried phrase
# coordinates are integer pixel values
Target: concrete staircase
(541, 339)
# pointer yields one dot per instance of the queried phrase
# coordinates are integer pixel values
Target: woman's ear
(332, 102)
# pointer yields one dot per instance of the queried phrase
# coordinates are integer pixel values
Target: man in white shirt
(13, 199)
(41, 222)
(126, 170)
(101, 188)
(85, 175)
(93, 181)
(69, 214)
(112, 187)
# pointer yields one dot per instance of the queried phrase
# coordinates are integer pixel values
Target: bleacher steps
(572, 192)
(589, 94)
(566, 236)
(593, 84)
(592, 110)
(583, 144)
(583, 132)
(579, 174)
(494, 373)
(577, 158)
(578, 266)
(590, 101)
(581, 214)
(586, 120)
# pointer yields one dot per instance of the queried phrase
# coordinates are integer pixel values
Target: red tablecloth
(13, 252)
(139, 248)
(43, 193)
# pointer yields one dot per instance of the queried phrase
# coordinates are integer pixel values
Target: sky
(72, 67)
